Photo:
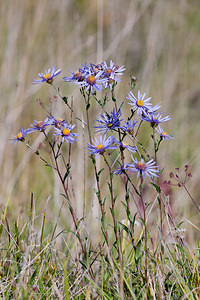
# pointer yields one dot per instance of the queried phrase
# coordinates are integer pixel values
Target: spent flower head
(47, 76)
(179, 178)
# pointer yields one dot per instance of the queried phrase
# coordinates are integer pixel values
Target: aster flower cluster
(149, 113)
(93, 78)
(61, 128)
(113, 124)
(96, 77)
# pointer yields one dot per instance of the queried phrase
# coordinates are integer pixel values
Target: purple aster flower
(154, 119)
(65, 133)
(111, 72)
(20, 137)
(95, 68)
(153, 109)
(76, 76)
(86, 70)
(101, 145)
(163, 134)
(48, 76)
(128, 127)
(92, 81)
(140, 104)
(144, 168)
(107, 122)
(57, 122)
(39, 125)
(121, 170)
(123, 146)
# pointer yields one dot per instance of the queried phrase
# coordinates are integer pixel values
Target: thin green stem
(93, 159)
(145, 228)
(55, 156)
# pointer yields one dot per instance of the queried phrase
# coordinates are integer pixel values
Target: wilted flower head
(139, 104)
(109, 122)
(143, 168)
(99, 146)
(179, 178)
(47, 76)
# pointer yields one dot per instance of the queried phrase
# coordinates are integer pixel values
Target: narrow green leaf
(67, 172)
(65, 99)
(156, 187)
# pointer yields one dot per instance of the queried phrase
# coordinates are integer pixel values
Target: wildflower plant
(113, 140)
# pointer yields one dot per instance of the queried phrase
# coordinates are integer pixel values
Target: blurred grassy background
(157, 41)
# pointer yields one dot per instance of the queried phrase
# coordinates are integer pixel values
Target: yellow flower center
(66, 132)
(141, 166)
(154, 122)
(19, 136)
(99, 147)
(140, 103)
(124, 144)
(91, 80)
(131, 131)
(110, 125)
(164, 133)
(108, 72)
(47, 76)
